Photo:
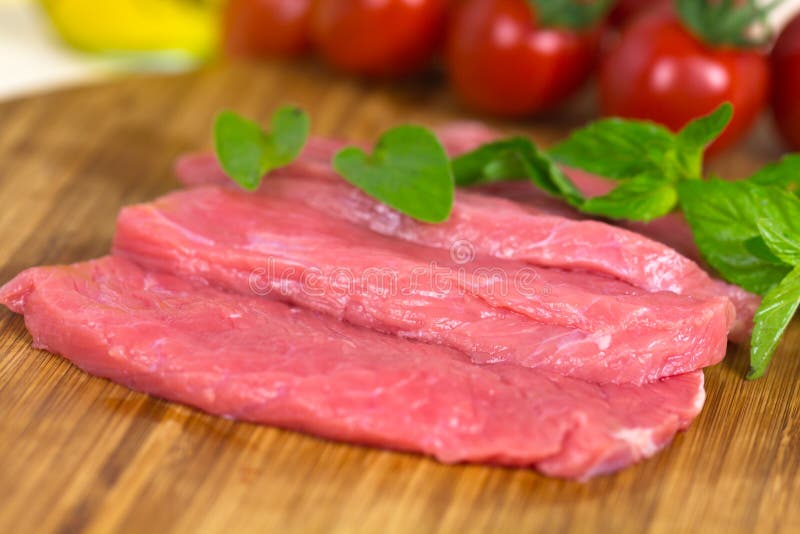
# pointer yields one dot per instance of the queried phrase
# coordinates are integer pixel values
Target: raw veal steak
(260, 360)
(541, 232)
(579, 324)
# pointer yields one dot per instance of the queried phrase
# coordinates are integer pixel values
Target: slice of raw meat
(671, 229)
(578, 324)
(260, 360)
(498, 227)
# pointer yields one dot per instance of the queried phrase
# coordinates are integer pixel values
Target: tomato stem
(572, 14)
(727, 22)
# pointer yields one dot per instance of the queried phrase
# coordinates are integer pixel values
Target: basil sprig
(646, 159)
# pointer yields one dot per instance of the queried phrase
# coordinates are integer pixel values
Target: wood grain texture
(78, 453)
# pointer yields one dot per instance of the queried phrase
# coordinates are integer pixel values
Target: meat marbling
(260, 360)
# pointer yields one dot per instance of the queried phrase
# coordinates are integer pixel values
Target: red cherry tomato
(501, 61)
(267, 27)
(378, 38)
(658, 71)
(786, 83)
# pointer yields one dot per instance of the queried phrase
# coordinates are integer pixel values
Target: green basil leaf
(643, 198)
(409, 170)
(782, 245)
(246, 152)
(699, 133)
(290, 128)
(784, 173)
(516, 158)
(622, 149)
(758, 248)
(722, 216)
(702, 131)
(618, 149)
(776, 310)
(778, 221)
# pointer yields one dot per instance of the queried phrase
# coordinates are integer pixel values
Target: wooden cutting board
(79, 453)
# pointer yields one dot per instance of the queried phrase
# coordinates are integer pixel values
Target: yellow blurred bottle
(178, 29)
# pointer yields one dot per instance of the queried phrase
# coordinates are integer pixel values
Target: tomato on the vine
(385, 39)
(666, 70)
(266, 27)
(786, 83)
(517, 57)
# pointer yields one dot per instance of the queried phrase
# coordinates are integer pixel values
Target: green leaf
(784, 173)
(618, 149)
(516, 158)
(573, 14)
(699, 133)
(622, 149)
(246, 152)
(409, 170)
(785, 246)
(778, 221)
(702, 131)
(772, 317)
(758, 248)
(643, 198)
(723, 218)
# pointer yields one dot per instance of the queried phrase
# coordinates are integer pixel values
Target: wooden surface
(79, 453)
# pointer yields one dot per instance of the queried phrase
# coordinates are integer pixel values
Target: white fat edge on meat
(641, 439)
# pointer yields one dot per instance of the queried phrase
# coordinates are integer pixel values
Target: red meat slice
(537, 229)
(580, 324)
(259, 360)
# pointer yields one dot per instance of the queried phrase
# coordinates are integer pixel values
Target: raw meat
(671, 229)
(259, 360)
(574, 323)
(542, 232)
